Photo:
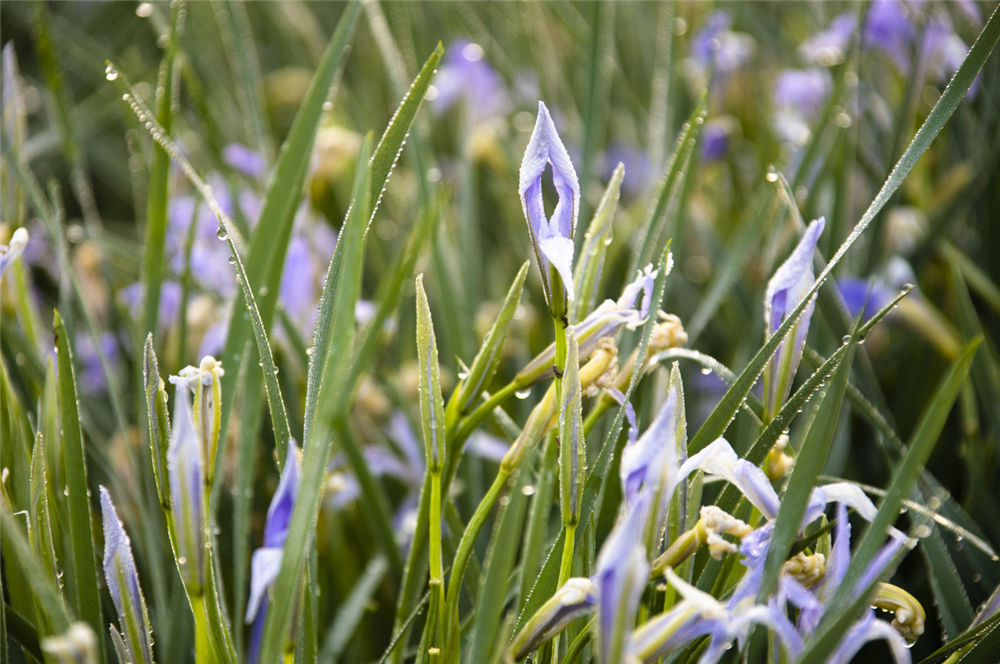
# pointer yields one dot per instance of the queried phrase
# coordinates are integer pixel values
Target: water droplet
(144, 10)
(462, 375)
(125, 96)
(275, 370)
(181, 560)
(110, 73)
(263, 291)
(232, 260)
(327, 105)
(846, 338)
(976, 577)
(523, 394)
(528, 489)
(221, 233)
(705, 371)
(309, 351)
(772, 176)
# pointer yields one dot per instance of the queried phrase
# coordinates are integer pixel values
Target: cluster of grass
(324, 198)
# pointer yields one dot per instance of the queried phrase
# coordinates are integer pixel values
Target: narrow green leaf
(808, 464)
(590, 263)
(44, 590)
(266, 257)
(845, 601)
(40, 520)
(431, 403)
(86, 591)
(488, 358)
(572, 448)
(333, 339)
(352, 610)
(497, 570)
(158, 421)
(669, 188)
(154, 245)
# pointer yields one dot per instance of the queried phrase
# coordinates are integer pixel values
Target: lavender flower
(185, 471)
(244, 159)
(466, 76)
(717, 51)
(622, 573)
(652, 462)
(266, 561)
(552, 236)
(798, 96)
(863, 297)
(640, 175)
(889, 29)
(786, 289)
(91, 378)
(715, 138)
(943, 50)
(123, 585)
(11, 252)
(829, 47)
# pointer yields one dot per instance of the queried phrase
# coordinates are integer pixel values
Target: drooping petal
(719, 459)
(264, 567)
(279, 513)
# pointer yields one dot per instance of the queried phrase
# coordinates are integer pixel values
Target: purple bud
(186, 478)
(266, 561)
(786, 289)
(552, 236)
(244, 159)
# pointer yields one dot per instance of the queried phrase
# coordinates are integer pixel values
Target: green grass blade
(352, 610)
(86, 592)
(487, 360)
(266, 257)
(333, 340)
(154, 245)
(669, 189)
(596, 240)
(44, 590)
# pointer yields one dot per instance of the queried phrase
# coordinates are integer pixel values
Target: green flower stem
(436, 564)
(203, 651)
(566, 564)
(466, 544)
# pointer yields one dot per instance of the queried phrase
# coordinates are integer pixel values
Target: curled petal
(279, 513)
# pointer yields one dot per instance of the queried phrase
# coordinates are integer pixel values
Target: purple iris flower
(123, 585)
(91, 377)
(640, 175)
(652, 462)
(186, 478)
(299, 293)
(718, 51)
(789, 285)
(170, 301)
(944, 51)
(889, 29)
(804, 90)
(244, 159)
(863, 295)
(266, 561)
(715, 139)
(466, 76)
(552, 236)
(10, 252)
(622, 574)
(829, 46)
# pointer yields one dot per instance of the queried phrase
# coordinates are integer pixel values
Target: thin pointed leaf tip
(552, 236)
